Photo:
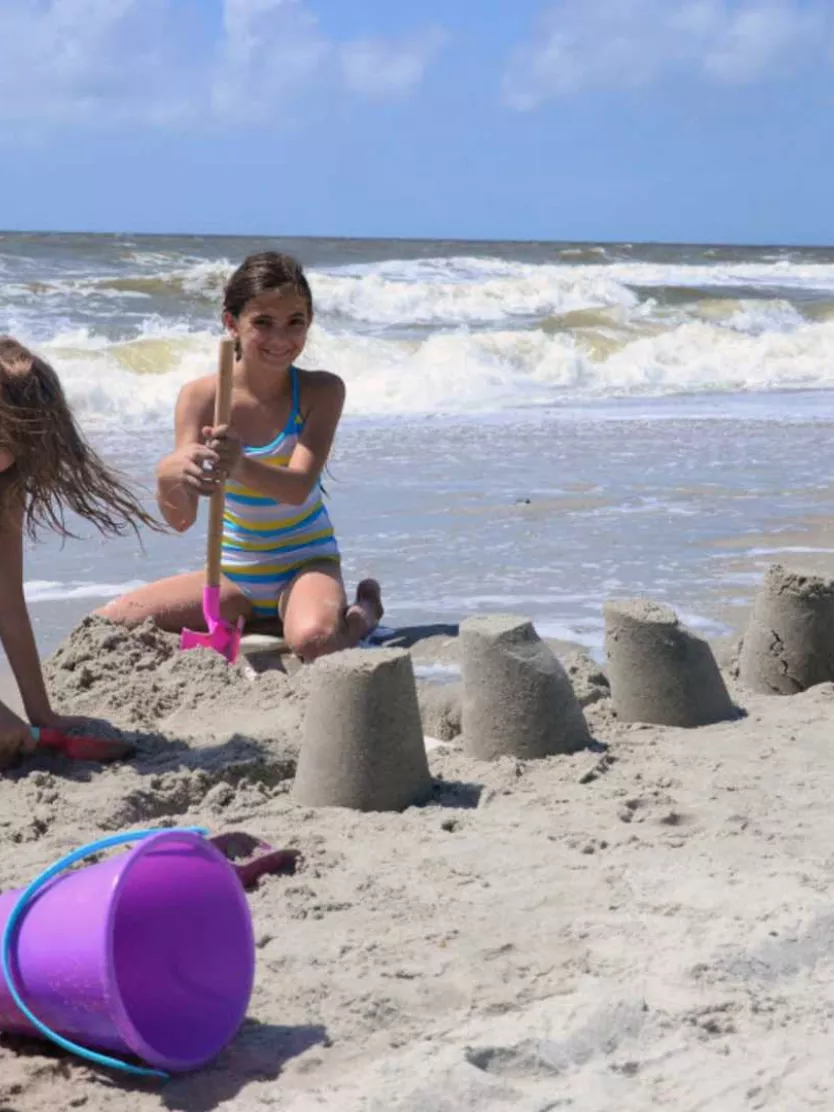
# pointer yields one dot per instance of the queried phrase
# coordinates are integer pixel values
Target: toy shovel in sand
(80, 748)
(222, 636)
(252, 858)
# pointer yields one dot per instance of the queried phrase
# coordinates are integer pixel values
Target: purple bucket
(148, 953)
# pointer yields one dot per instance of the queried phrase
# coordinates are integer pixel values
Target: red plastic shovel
(81, 748)
(252, 858)
(222, 636)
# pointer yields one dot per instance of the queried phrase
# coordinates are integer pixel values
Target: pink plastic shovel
(222, 636)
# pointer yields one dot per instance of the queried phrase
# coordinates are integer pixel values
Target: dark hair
(54, 468)
(257, 274)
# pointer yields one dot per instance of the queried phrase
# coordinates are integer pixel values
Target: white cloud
(269, 47)
(72, 58)
(378, 68)
(582, 44)
(759, 37)
(105, 62)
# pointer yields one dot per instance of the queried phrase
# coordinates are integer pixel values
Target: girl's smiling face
(272, 328)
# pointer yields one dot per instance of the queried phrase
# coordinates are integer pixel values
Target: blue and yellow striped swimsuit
(266, 543)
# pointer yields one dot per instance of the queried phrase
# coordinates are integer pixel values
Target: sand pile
(142, 681)
(207, 736)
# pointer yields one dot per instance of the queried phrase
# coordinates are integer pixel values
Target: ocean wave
(451, 292)
(447, 292)
(200, 279)
(538, 292)
(463, 371)
(437, 334)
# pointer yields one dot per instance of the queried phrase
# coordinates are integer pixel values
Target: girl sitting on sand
(280, 557)
(46, 468)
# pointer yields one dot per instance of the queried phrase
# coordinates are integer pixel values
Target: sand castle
(363, 742)
(517, 698)
(363, 745)
(660, 672)
(788, 645)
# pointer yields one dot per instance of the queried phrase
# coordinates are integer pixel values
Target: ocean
(530, 427)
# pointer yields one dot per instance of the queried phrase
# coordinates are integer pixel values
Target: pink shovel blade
(222, 636)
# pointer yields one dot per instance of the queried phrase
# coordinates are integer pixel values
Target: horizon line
(422, 239)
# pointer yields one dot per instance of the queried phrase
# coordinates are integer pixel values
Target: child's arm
(180, 478)
(293, 483)
(15, 625)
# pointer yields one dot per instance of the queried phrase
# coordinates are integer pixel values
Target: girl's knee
(117, 611)
(315, 636)
(130, 611)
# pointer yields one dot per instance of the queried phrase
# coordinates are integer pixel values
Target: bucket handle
(17, 913)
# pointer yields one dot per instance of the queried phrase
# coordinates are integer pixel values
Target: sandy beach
(642, 924)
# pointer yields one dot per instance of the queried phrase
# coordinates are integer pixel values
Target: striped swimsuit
(266, 543)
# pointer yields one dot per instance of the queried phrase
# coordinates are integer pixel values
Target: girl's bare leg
(176, 602)
(317, 618)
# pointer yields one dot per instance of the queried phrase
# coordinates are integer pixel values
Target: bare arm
(180, 479)
(15, 625)
(293, 483)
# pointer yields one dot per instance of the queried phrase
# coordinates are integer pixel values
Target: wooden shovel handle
(222, 411)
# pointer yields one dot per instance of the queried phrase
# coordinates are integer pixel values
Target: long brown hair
(54, 468)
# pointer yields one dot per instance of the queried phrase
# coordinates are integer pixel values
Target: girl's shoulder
(203, 387)
(319, 380)
(198, 394)
(315, 387)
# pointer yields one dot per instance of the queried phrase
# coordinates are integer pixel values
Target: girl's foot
(365, 614)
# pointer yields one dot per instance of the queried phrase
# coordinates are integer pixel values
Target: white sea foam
(456, 372)
(46, 590)
(790, 549)
(442, 291)
(458, 297)
(460, 335)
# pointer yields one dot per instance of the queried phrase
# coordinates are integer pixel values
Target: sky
(613, 120)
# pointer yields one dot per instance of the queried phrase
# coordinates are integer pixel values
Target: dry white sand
(643, 926)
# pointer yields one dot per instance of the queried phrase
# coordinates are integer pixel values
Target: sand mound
(142, 681)
(139, 675)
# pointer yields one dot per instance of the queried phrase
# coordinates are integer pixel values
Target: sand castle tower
(660, 672)
(362, 743)
(788, 645)
(517, 698)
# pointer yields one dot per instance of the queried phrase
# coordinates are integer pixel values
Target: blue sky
(669, 120)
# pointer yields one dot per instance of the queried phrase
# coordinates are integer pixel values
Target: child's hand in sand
(15, 736)
(226, 444)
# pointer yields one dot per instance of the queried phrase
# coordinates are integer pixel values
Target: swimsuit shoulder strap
(295, 415)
